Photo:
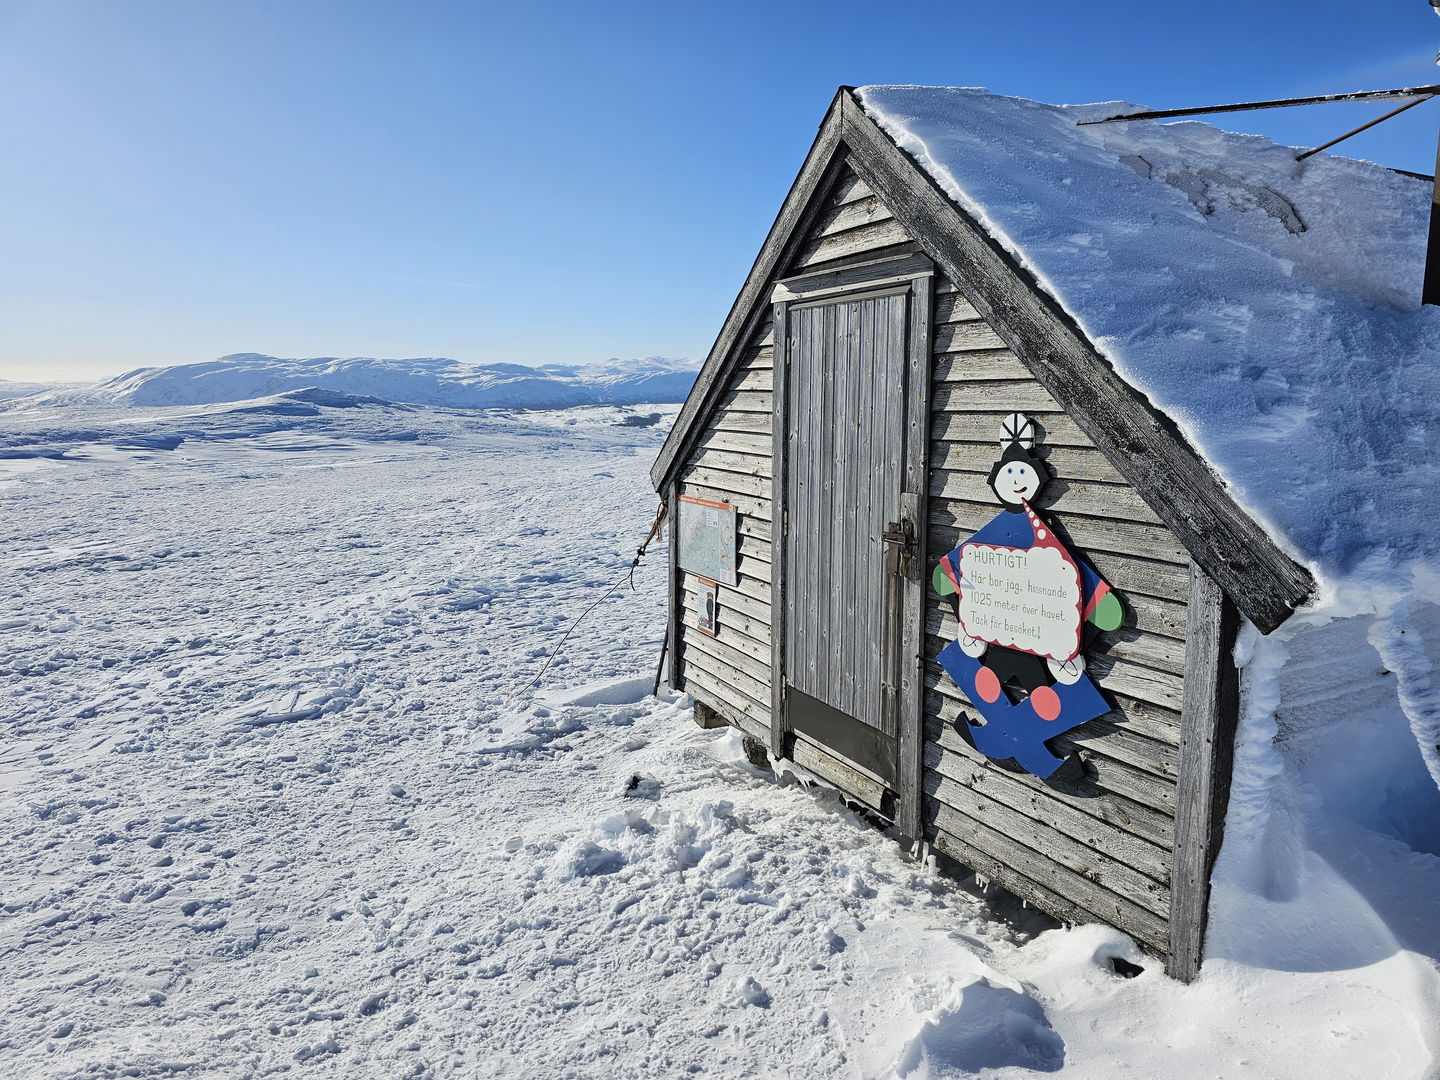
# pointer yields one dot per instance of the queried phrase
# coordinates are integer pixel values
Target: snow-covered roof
(1269, 306)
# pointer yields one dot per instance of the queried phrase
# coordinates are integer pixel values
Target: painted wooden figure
(1023, 600)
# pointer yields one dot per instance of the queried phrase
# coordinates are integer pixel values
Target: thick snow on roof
(1270, 306)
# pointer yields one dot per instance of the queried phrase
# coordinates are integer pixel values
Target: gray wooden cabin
(869, 265)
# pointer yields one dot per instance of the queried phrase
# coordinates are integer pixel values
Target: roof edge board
(1150, 451)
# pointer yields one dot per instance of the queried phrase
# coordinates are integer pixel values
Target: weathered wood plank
(757, 422)
(1117, 677)
(674, 613)
(1056, 429)
(909, 777)
(729, 484)
(732, 461)
(750, 525)
(950, 307)
(954, 519)
(1066, 462)
(812, 757)
(1155, 722)
(850, 188)
(869, 272)
(754, 401)
(736, 629)
(967, 336)
(852, 214)
(865, 238)
(1207, 751)
(754, 548)
(757, 358)
(1029, 865)
(758, 591)
(744, 442)
(1150, 740)
(980, 365)
(1041, 802)
(1105, 857)
(747, 378)
(1061, 495)
(1123, 676)
(779, 728)
(1147, 446)
(1018, 395)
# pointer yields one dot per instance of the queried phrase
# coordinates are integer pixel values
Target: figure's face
(1016, 480)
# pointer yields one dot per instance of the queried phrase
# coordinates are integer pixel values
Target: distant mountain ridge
(11, 388)
(418, 381)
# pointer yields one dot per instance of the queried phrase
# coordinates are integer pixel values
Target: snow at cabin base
(273, 805)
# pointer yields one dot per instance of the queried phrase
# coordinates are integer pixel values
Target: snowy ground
(272, 805)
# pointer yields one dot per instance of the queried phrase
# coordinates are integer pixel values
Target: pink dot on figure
(1046, 702)
(986, 684)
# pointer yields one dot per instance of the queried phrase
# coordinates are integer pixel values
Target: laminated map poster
(707, 539)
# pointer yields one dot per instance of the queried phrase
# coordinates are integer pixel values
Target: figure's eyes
(1009, 471)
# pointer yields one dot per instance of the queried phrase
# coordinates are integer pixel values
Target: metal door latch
(900, 544)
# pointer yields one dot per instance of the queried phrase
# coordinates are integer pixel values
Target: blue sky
(538, 182)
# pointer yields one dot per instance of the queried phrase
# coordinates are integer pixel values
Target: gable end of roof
(1146, 446)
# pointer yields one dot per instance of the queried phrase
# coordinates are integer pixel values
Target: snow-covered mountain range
(424, 381)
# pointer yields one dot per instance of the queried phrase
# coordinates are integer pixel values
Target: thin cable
(627, 576)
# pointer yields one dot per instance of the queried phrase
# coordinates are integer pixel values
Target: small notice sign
(707, 607)
(706, 539)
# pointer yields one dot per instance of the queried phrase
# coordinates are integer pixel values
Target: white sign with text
(1021, 599)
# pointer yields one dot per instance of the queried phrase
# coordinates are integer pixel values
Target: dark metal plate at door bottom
(866, 746)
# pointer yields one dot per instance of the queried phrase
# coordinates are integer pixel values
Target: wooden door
(846, 373)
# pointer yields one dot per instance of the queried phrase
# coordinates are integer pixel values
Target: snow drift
(425, 381)
(1270, 307)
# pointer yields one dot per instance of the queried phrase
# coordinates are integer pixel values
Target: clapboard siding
(1101, 847)
(854, 224)
(731, 462)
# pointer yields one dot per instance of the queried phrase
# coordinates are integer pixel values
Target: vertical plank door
(845, 436)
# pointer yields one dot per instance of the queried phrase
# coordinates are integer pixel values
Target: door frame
(913, 273)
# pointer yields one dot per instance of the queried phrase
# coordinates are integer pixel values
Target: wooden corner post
(914, 499)
(1209, 714)
(779, 520)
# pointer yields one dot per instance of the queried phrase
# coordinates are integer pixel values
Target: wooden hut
(840, 441)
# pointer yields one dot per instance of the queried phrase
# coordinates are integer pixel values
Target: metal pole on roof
(1362, 127)
(1430, 291)
(1281, 103)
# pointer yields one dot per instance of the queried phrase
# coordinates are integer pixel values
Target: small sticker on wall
(707, 607)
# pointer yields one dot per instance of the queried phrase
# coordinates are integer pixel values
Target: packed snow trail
(271, 805)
